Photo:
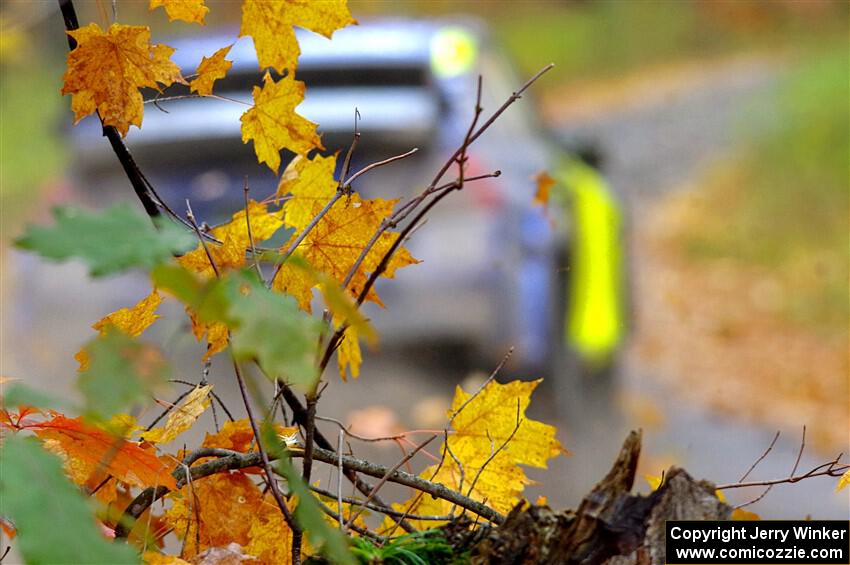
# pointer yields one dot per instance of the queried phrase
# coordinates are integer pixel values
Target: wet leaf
(218, 510)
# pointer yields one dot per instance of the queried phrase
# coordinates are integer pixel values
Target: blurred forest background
(740, 267)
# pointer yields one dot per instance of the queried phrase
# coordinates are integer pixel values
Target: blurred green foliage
(784, 206)
(590, 40)
(30, 137)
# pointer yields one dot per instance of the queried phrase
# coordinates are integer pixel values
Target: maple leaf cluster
(339, 243)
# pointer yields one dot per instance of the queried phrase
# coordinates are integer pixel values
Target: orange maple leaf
(217, 334)
(125, 460)
(269, 23)
(192, 11)
(210, 70)
(272, 123)
(544, 187)
(334, 244)
(224, 508)
(107, 69)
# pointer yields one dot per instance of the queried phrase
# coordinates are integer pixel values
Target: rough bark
(610, 526)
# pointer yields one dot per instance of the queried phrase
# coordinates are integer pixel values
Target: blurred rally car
(495, 266)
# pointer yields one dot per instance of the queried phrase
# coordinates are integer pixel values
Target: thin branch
(250, 233)
(69, 15)
(387, 475)
(380, 509)
(799, 453)
(482, 387)
(493, 454)
(377, 164)
(346, 164)
(299, 417)
(282, 259)
(339, 480)
(227, 460)
(264, 458)
(828, 469)
(408, 208)
(760, 459)
(191, 217)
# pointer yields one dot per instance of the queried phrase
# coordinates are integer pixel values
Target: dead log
(610, 526)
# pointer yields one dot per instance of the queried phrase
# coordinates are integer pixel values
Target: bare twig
(346, 164)
(316, 219)
(482, 387)
(339, 480)
(299, 417)
(377, 164)
(828, 469)
(387, 475)
(799, 453)
(494, 453)
(232, 460)
(459, 153)
(760, 459)
(191, 217)
(266, 464)
(380, 509)
(250, 233)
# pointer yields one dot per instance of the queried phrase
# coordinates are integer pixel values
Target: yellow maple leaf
(654, 481)
(270, 537)
(486, 433)
(131, 321)
(151, 557)
(741, 514)
(107, 69)
(334, 244)
(269, 23)
(544, 186)
(182, 416)
(210, 70)
(235, 240)
(348, 355)
(311, 184)
(272, 123)
(844, 481)
(192, 11)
